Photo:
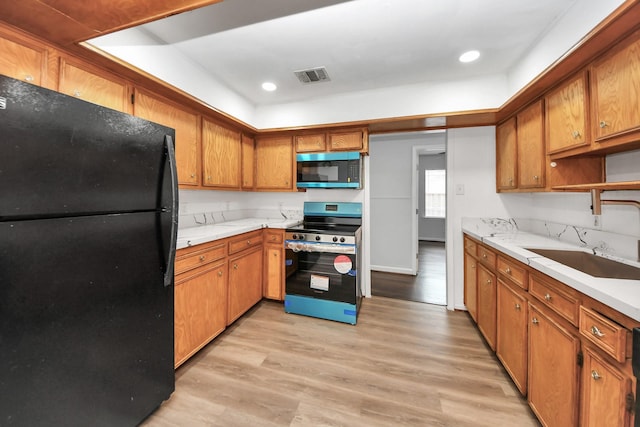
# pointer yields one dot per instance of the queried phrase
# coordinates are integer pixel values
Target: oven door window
(329, 276)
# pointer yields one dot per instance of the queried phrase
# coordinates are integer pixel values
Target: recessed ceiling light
(269, 87)
(469, 56)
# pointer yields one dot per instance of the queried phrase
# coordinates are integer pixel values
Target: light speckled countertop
(206, 233)
(620, 294)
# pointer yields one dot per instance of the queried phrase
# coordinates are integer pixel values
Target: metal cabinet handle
(603, 124)
(77, 93)
(235, 266)
(536, 177)
(547, 297)
(507, 270)
(535, 321)
(193, 175)
(28, 78)
(595, 331)
(202, 257)
(220, 273)
(484, 255)
(518, 306)
(576, 134)
(595, 375)
(488, 281)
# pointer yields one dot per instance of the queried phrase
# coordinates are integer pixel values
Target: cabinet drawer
(553, 296)
(202, 256)
(486, 256)
(271, 236)
(245, 241)
(604, 333)
(514, 271)
(470, 246)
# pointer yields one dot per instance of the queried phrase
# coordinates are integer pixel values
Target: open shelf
(603, 186)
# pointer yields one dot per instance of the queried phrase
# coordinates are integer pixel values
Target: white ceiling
(364, 44)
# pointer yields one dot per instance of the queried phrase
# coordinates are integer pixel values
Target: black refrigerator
(88, 223)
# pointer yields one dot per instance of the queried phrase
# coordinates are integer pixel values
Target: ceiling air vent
(313, 75)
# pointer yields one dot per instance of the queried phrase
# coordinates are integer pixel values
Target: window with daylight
(435, 193)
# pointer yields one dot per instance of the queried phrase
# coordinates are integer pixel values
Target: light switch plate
(460, 189)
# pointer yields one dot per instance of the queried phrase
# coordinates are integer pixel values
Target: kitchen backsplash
(600, 242)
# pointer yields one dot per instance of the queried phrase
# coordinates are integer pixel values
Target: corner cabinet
(530, 147)
(506, 156)
(248, 162)
(186, 125)
(275, 163)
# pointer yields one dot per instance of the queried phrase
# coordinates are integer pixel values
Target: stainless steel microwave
(329, 170)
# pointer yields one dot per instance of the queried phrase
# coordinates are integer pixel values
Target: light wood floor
(429, 285)
(403, 364)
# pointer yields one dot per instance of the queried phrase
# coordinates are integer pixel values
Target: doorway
(417, 273)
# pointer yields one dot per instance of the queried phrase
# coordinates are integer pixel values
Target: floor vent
(312, 75)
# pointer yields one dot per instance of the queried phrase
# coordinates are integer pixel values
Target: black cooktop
(338, 229)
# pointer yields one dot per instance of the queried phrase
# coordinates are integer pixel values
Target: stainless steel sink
(590, 264)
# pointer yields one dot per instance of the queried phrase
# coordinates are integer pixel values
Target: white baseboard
(388, 269)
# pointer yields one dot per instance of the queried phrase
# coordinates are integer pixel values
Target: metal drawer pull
(603, 124)
(595, 375)
(488, 281)
(235, 266)
(507, 270)
(484, 255)
(220, 273)
(595, 331)
(202, 257)
(517, 306)
(547, 297)
(535, 321)
(248, 242)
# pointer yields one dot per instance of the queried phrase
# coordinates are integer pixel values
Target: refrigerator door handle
(171, 164)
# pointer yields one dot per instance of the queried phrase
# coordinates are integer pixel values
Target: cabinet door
(274, 271)
(93, 86)
(311, 143)
(274, 163)
(566, 115)
(245, 282)
(553, 370)
(470, 286)
(186, 126)
(346, 141)
(506, 155)
(248, 162)
(530, 153)
(615, 85)
(487, 305)
(22, 62)
(511, 346)
(604, 393)
(221, 156)
(200, 309)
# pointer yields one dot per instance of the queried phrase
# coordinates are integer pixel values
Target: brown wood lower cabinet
(245, 282)
(200, 311)
(274, 264)
(511, 346)
(471, 286)
(487, 304)
(605, 390)
(553, 369)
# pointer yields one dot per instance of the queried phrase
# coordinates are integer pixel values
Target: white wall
(390, 185)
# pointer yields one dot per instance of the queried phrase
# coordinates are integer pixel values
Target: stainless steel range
(322, 259)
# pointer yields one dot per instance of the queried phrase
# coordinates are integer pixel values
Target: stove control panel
(321, 238)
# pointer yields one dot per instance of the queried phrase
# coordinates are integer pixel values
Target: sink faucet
(597, 202)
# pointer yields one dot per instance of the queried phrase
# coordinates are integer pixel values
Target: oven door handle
(298, 246)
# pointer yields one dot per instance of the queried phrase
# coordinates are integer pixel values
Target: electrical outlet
(597, 222)
(459, 189)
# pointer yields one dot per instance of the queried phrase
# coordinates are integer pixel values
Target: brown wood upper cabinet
(221, 156)
(615, 85)
(531, 147)
(185, 123)
(309, 143)
(22, 60)
(566, 115)
(506, 155)
(333, 140)
(92, 85)
(346, 140)
(274, 163)
(248, 162)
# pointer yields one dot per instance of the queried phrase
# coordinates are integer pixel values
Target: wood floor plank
(403, 364)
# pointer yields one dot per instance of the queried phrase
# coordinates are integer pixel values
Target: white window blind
(435, 193)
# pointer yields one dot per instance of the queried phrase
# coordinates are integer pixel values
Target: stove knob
(342, 240)
(335, 239)
(317, 237)
(301, 236)
(294, 236)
